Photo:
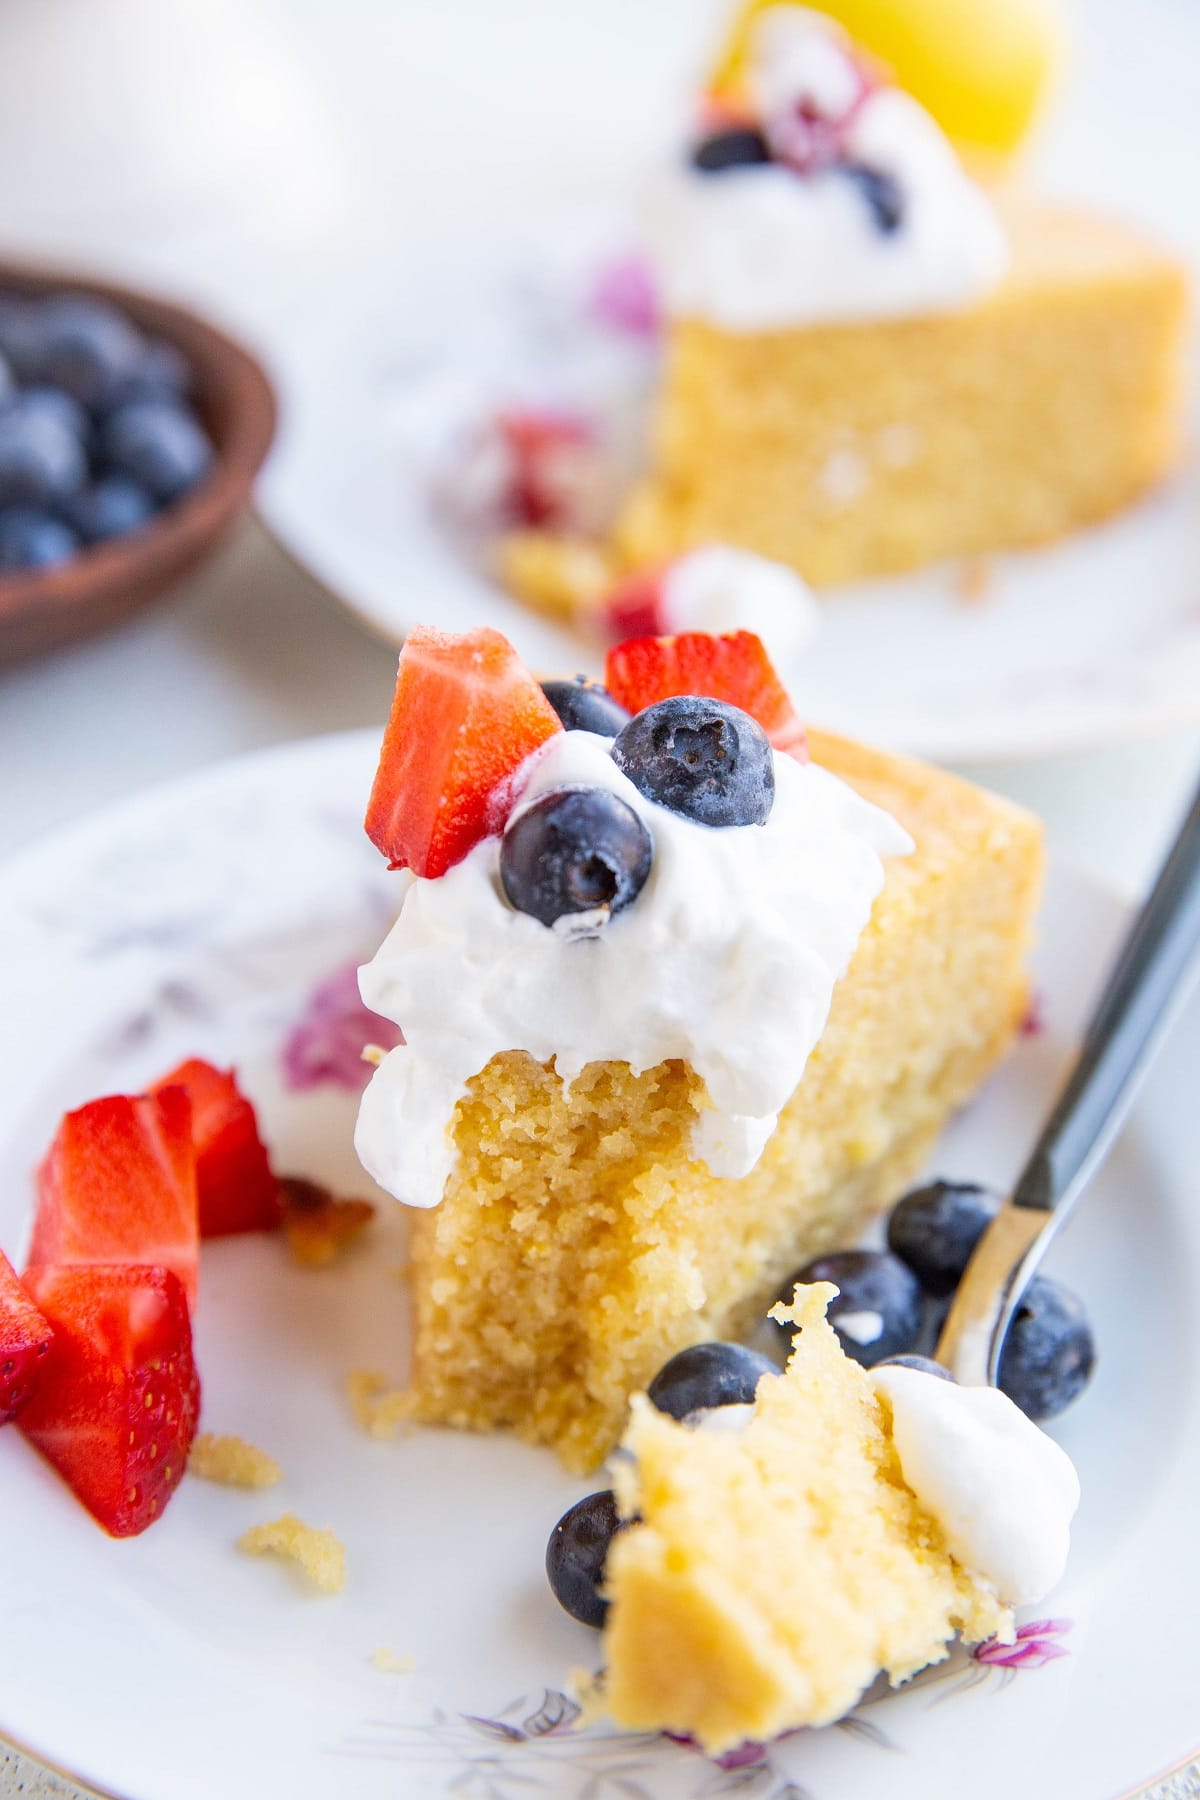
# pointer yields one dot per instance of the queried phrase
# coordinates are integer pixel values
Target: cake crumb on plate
(232, 1462)
(320, 1553)
(392, 1662)
(377, 1408)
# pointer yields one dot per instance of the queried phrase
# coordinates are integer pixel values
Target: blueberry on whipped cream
(585, 705)
(701, 758)
(574, 858)
(833, 196)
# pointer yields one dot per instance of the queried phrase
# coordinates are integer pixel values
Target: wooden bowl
(234, 399)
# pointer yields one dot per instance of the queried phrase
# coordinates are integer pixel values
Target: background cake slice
(579, 1241)
(872, 447)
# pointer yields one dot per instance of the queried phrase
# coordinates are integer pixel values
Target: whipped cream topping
(727, 959)
(1002, 1491)
(771, 245)
(720, 589)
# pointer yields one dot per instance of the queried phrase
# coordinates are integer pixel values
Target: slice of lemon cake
(681, 1004)
(869, 363)
(847, 1522)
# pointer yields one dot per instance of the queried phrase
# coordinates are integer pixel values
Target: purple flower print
(1036, 1645)
(326, 1044)
(623, 297)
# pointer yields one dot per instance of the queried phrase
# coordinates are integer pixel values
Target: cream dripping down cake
(871, 362)
(685, 996)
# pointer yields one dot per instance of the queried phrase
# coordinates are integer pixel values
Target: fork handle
(1149, 977)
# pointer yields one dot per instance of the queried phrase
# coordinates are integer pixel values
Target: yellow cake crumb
(318, 1552)
(378, 1408)
(232, 1462)
(392, 1662)
(562, 577)
(767, 1576)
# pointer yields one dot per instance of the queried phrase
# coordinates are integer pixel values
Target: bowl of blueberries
(131, 432)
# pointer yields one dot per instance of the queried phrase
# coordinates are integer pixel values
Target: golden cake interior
(579, 1245)
(773, 1573)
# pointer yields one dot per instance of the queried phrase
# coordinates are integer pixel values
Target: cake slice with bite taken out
(685, 996)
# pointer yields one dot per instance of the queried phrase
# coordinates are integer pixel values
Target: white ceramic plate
(170, 1667)
(1090, 642)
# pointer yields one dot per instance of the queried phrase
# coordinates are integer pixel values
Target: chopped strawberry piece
(118, 1185)
(543, 446)
(25, 1339)
(732, 666)
(235, 1188)
(119, 1402)
(466, 714)
(634, 608)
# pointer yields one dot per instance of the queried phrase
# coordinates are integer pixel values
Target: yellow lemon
(981, 67)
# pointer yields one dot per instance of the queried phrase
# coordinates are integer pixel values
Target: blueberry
(877, 1311)
(936, 1228)
(576, 1554)
(1049, 1353)
(160, 373)
(576, 850)
(584, 705)
(31, 539)
(53, 403)
(20, 335)
(41, 458)
(111, 507)
(882, 193)
(730, 150)
(925, 1364)
(702, 758)
(708, 1375)
(159, 444)
(87, 347)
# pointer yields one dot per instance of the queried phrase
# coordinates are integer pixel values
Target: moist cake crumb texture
(232, 1462)
(771, 1574)
(579, 1245)
(318, 1552)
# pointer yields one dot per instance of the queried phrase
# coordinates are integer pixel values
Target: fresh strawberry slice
(25, 1339)
(732, 666)
(118, 1185)
(466, 714)
(235, 1188)
(118, 1405)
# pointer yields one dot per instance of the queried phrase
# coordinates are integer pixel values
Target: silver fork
(1147, 981)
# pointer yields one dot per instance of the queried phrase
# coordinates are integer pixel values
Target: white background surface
(228, 147)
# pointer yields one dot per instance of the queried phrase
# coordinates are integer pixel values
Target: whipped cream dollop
(780, 243)
(727, 959)
(720, 588)
(1002, 1491)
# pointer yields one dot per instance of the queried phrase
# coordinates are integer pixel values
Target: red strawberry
(465, 716)
(543, 447)
(117, 1408)
(634, 608)
(235, 1188)
(733, 667)
(25, 1338)
(118, 1185)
